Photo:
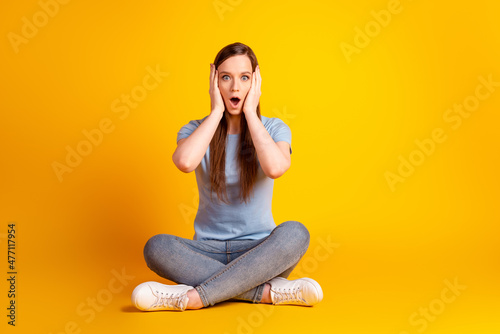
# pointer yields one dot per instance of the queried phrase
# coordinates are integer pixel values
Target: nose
(235, 86)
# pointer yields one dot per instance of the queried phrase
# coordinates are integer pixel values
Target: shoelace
(174, 301)
(288, 296)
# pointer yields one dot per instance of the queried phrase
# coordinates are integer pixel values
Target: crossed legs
(218, 273)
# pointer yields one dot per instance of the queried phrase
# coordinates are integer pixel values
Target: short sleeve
(188, 129)
(280, 131)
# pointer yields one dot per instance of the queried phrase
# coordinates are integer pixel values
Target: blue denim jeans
(228, 269)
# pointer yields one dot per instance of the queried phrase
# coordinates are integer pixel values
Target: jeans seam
(182, 244)
(255, 301)
(203, 249)
(298, 259)
(203, 296)
(228, 251)
(231, 264)
(258, 292)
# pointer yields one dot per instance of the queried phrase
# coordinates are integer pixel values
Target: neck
(233, 123)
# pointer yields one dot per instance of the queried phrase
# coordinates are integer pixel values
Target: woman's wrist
(217, 112)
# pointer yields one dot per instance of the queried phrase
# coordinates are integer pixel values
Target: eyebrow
(230, 73)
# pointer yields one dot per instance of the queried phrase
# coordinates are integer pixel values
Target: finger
(253, 80)
(256, 83)
(259, 78)
(211, 74)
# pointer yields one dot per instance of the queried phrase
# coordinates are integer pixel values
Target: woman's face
(235, 77)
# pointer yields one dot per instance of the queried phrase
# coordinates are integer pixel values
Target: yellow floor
(363, 293)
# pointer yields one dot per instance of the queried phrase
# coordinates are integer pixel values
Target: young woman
(237, 251)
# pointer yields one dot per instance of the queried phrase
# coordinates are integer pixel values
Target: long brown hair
(247, 156)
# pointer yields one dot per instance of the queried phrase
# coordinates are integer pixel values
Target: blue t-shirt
(237, 220)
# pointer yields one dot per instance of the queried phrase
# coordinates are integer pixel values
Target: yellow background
(381, 256)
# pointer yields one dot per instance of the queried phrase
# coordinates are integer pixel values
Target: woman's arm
(190, 150)
(274, 157)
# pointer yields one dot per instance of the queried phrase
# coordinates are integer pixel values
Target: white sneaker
(302, 291)
(154, 296)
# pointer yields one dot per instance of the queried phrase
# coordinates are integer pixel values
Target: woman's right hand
(216, 101)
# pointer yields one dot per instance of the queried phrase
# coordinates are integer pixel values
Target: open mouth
(235, 101)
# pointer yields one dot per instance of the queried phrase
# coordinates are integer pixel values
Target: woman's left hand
(253, 96)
